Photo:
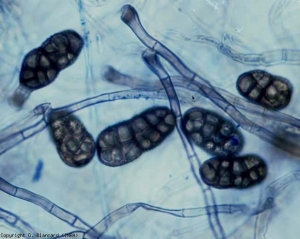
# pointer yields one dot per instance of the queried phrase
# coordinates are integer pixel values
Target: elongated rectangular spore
(124, 142)
(233, 172)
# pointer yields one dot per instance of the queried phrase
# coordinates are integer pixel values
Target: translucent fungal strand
(55, 210)
(267, 58)
(20, 95)
(16, 222)
(116, 77)
(152, 61)
(131, 18)
(37, 119)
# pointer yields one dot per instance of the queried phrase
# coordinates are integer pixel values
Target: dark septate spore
(211, 132)
(41, 66)
(233, 172)
(270, 91)
(124, 142)
(75, 145)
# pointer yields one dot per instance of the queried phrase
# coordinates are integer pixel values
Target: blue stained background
(161, 178)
